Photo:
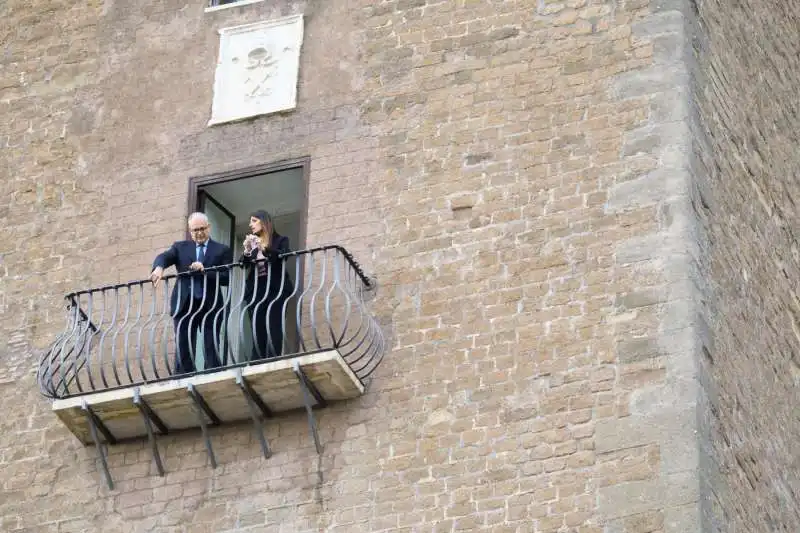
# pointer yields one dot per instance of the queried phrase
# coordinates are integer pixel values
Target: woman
(267, 285)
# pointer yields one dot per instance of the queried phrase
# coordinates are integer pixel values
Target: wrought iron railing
(134, 333)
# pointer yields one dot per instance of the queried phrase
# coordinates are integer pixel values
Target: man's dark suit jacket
(182, 254)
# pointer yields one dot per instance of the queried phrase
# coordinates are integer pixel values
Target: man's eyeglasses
(198, 230)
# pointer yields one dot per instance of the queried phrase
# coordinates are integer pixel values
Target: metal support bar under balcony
(229, 396)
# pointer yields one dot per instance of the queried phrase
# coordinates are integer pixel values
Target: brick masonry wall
(746, 129)
(514, 173)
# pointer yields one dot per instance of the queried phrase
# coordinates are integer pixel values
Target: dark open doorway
(228, 199)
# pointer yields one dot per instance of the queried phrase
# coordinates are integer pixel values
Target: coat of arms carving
(257, 69)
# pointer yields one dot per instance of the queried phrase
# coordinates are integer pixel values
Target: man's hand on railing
(197, 266)
(156, 275)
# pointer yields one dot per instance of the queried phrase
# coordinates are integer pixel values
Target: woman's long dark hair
(266, 220)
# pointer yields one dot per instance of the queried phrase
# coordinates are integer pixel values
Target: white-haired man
(196, 298)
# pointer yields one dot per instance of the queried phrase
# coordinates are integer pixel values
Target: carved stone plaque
(257, 69)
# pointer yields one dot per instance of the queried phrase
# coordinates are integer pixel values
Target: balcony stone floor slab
(275, 382)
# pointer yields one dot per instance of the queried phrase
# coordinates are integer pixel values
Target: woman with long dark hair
(267, 285)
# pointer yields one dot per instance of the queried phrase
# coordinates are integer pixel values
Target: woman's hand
(250, 243)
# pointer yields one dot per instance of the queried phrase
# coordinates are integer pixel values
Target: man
(196, 300)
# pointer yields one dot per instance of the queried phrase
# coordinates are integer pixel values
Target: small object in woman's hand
(251, 242)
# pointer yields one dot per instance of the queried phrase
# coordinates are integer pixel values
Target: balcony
(253, 340)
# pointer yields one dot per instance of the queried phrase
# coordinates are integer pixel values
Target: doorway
(228, 199)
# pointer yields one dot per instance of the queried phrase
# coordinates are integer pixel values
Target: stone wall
(514, 173)
(747, 78)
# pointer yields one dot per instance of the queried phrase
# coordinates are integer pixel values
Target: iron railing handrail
(368, 283)
(123, 336)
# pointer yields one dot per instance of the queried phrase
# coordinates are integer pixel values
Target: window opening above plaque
(216, 5)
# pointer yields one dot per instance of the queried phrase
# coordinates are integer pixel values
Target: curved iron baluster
(369, 339)
(79, 356)
(246, 308)
(312, 307)
(150, 324)
(114, 339)
(373, 338)
(361, 333)
(359, 304)
(377, 355)
(124, 327)
(192, 282)
(95, 330)
(139, 330)
(220, 335)
(168, 327)
(44, 370)
(63, 363)
(267, 283)
(288, 299)
(103, 338)
(57, 352)
(328, 297)
(73, 354)
(49, 368)
(348, 302)
(270, 342)
(306, 288)
(130, 328)
(201, 332)
(241, 308)
(180, 322)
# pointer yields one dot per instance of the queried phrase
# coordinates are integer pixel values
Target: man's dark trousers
(198, 317)
(190, 311)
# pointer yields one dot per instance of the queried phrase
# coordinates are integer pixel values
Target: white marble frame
(266, 81)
